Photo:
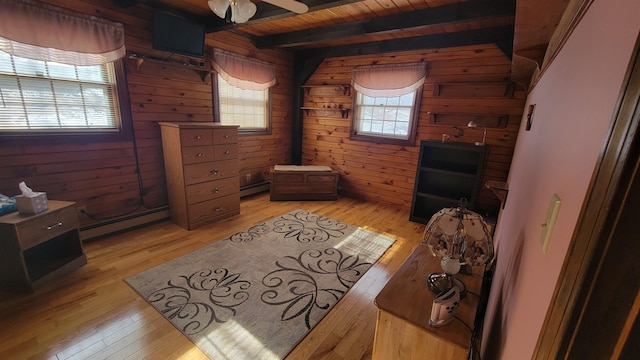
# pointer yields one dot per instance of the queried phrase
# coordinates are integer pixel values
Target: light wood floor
(93, 314)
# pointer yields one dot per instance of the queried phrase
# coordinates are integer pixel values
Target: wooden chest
(290, 182)
(201, 166)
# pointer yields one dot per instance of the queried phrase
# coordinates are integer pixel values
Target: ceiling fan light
(219, 7)
(246, 9)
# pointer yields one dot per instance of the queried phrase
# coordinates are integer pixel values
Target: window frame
(241, 131)
(382, 139)
(122, 101)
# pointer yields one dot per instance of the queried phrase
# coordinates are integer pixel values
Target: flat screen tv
(177, 35)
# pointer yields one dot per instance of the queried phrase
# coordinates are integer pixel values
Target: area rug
(257, 293)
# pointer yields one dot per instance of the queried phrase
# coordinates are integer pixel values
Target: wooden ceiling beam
(441, 15)
(497, 35)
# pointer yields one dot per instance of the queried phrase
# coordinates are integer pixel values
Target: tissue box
(32, 204)
(8, 206)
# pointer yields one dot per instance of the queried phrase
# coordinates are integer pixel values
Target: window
(242, 92)
(384, 117)
(62, 78)
(250, 109)
(49, 97)
(387, 103)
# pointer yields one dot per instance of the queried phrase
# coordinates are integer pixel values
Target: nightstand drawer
(43, 228)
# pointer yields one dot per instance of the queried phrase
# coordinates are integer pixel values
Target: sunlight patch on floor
(233, 341)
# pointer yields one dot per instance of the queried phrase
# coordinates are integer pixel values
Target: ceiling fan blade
(291, 5)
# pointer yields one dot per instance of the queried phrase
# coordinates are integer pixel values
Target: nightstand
(36, 249)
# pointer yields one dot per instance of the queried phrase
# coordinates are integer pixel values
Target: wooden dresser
(201, 166)
(404, 309)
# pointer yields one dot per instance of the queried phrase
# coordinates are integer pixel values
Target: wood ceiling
(351, 27)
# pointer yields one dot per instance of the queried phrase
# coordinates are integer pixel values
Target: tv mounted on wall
(177, 35)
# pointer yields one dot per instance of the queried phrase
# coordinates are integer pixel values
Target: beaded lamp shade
(459, 237)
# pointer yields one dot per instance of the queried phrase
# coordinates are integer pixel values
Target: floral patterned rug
(257, 293)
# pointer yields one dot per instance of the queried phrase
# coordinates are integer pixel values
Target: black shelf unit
(446, 173)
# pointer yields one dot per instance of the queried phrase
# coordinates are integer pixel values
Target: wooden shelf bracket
(499, 188)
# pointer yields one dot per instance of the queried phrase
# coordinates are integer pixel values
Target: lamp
(459, 237)
(241, 10)
(473, 124)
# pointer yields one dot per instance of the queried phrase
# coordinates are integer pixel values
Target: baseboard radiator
(123, 223)
(255, 188)
(134, 221)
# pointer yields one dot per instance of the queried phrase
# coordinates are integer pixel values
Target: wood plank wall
(102, 177)
(386, 173)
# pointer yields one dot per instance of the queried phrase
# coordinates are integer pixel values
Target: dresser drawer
(197, 154)
(196, 137)
(209, 210)
(224, 152)
(212, 189)
(45, 227)
(225, 136)
(198, 173)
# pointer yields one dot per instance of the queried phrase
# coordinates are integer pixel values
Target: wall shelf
(344, 113)
(340, 89)
(502, 89)
(137, 63)
(462, 119)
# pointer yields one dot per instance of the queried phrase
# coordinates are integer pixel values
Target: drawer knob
(198, 137)
(199, 154)
(53, 226)
(226, 136)
(215, 191)
(217, 208)
(214, 172)
(227, 152)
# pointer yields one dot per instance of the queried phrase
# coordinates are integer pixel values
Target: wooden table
(404, 309)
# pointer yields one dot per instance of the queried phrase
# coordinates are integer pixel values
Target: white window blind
(247, 108)
(384, 116)
(387, 102)
(54, 97)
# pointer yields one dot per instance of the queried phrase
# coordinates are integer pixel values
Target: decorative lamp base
(442, 282)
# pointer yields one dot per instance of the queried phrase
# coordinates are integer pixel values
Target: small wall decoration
(532, 108)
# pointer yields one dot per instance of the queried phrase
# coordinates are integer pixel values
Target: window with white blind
(387, 102)
(385, 116)
(250, 109)
(38, 96)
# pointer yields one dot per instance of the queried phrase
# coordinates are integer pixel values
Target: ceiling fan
(242, 10)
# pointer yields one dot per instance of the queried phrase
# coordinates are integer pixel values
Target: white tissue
(26, 191)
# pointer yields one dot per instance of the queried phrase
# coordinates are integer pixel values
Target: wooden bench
(297, 182)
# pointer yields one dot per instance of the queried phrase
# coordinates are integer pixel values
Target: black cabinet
(446, 173)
